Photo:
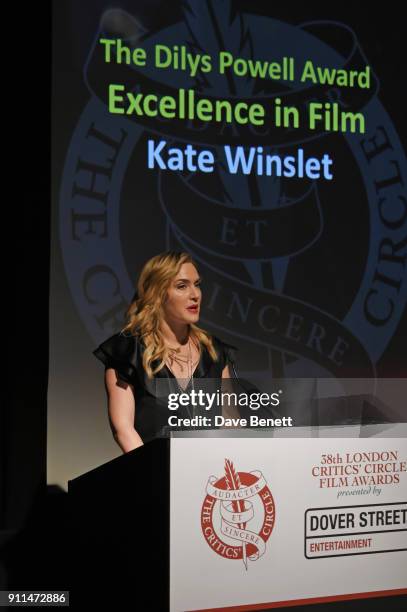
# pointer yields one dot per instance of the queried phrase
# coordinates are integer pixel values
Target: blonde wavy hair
(144, 315)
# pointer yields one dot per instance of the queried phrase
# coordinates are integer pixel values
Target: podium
(120, 530)
(244, 520)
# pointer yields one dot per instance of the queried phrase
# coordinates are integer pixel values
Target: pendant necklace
(191, 374)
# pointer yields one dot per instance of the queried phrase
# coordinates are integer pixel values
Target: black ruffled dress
(124, 353)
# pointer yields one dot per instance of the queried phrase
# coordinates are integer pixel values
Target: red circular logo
(238, 514)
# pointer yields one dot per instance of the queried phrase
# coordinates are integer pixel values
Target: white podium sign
(256, 522)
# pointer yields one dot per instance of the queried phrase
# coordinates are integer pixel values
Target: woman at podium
(162, 353)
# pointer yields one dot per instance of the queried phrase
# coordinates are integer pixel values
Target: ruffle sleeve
(120, 352)
(228, 354)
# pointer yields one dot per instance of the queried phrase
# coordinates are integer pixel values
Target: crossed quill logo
(233, 483)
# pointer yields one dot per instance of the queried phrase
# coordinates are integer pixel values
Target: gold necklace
(180, 358)
(180, 361)
(190, 381)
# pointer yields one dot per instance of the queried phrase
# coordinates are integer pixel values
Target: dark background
(32, 517)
